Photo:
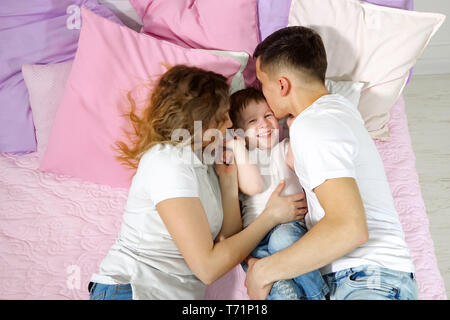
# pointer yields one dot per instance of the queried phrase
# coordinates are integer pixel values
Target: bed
(55, 229)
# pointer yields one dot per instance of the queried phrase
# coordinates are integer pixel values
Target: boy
(260, 169)
(354, 234)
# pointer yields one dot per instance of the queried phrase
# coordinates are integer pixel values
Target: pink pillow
(45, 84)
(230, 25)
(111, 60)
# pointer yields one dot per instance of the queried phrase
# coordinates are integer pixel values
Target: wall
(436, 57)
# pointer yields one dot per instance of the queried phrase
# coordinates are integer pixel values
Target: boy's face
(260, 125)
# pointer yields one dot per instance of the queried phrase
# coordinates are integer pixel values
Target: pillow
(237, 82)
(273, 15)
(230, 25)
(349, 89)
(125, 12)
(111, 60)
(371, 44)
(207, 24)
(44, 31)
(45, 84)
(399, 4)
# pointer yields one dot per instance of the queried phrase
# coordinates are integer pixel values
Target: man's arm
(340, 231)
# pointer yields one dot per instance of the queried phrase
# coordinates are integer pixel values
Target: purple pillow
(274, 14)
(34, 32)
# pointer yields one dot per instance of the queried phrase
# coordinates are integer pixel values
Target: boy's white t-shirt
(144, 254)
(329, 141)
(272, 166)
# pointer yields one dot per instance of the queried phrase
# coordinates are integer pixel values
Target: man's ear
(284, 85)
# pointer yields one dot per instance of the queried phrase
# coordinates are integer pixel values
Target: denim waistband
(382, 270)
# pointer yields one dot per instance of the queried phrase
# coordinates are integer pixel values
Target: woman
(182, 226)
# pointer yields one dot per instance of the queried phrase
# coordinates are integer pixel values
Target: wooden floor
(428, 110)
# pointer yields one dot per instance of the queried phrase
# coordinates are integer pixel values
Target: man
(354, 235)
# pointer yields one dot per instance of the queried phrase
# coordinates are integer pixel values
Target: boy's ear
(284, 85)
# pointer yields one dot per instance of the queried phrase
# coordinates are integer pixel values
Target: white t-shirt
(144, 253)
(329, 141)
(273, 168)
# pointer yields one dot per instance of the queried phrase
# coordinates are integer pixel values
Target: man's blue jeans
(370, 282)
(309, 286)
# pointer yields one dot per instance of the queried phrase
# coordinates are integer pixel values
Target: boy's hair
(295, 47)
(240, 100)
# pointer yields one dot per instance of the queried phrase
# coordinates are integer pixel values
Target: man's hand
(255, 289)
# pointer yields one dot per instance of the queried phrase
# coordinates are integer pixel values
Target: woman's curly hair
(181, 96)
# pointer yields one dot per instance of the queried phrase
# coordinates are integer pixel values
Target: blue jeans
(101, 291)
(371, 282)
(309, 286)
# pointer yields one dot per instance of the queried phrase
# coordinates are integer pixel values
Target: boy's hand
(238, 148)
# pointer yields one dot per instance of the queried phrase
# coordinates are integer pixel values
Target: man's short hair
(295, 47)
(240, 100)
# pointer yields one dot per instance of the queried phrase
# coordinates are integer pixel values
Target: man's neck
(303, 99)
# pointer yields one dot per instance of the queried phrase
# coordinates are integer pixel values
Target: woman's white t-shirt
(328, 141)
(144, 253)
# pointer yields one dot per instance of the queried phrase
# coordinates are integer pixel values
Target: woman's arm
(249, 177)
(186, 221)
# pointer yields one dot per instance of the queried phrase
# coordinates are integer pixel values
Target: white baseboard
(434, 60)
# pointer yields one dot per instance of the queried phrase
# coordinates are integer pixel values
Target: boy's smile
(260, 124)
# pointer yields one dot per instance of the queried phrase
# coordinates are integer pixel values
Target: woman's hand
(286, 208)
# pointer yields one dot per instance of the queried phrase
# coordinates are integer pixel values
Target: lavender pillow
(273, 14)
(34, 32)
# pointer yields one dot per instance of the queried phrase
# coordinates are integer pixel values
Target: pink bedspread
(55, 230)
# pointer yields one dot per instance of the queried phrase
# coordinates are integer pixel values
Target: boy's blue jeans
(309, 286)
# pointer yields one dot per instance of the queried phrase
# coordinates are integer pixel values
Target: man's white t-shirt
(273, 168)
(329, 141)
(144, 253)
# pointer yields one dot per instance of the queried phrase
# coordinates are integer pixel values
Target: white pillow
(238, 81)
(371, 44)
(45, 84)
(349, 89)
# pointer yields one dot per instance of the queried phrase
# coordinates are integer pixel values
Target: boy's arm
(290, 157)
(249, 178)
(340, 231)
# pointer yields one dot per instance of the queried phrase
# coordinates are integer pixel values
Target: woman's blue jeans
(309, 286)
(101, 291)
